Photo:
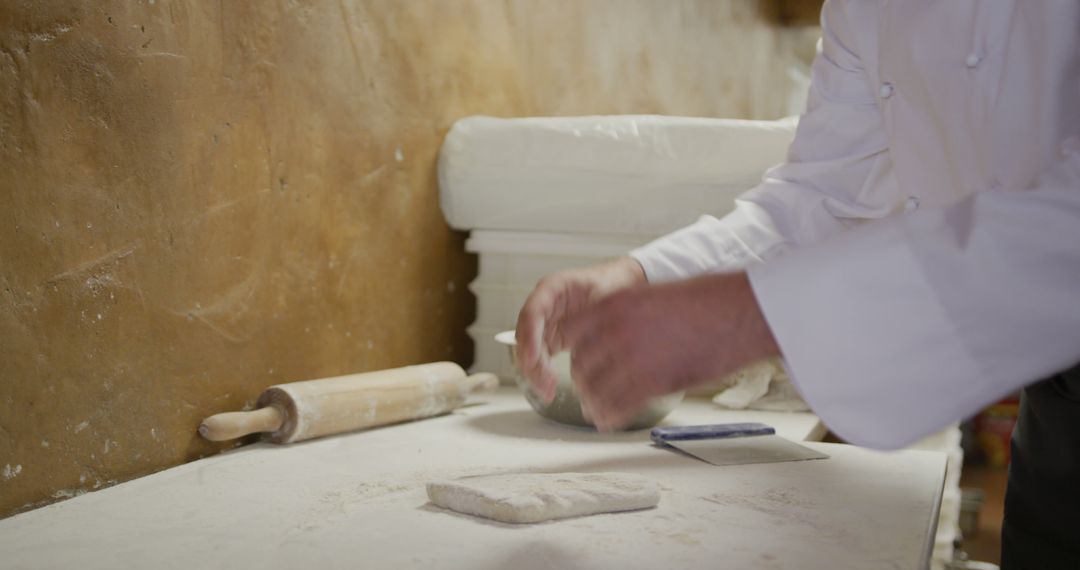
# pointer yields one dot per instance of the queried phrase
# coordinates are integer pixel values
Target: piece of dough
(538, 497)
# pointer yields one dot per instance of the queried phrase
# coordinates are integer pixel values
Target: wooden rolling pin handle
(482, 382)
(231, 425)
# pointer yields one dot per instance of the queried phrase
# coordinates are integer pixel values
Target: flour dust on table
(537, 497)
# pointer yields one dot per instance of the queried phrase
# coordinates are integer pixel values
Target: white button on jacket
(895, 324)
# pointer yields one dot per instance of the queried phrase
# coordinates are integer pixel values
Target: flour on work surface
(538, 497)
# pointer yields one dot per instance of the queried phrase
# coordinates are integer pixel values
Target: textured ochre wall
(199, 199)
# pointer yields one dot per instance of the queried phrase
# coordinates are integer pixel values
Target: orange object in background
(993, 430)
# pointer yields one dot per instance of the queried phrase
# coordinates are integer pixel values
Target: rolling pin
(305, 410)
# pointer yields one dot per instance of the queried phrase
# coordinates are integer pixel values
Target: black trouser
(1042, 504)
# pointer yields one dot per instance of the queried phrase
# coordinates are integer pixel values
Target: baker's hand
(650, 340)
(557, 297)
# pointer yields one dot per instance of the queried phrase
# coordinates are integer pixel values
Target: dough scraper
(733, 444)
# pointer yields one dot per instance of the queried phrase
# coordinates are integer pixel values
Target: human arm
(838, 173)
(890, 332)
(951, 309)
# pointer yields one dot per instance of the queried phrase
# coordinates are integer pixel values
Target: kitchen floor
(985, 544)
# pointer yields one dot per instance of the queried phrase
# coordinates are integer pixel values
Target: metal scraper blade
(734, 444)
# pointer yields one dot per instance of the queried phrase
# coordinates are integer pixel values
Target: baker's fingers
(545, 379)
(552, 336)
(587, 359)
(592, 380)
(615, 421)
(586, 410)
(541, 376)
(619, 401)
(574, 300)
(584, 360)
(594, 370)
(579, 326)
(609, 381)
(609, 417)
(534, 365)
(531, 354)
(597, 361)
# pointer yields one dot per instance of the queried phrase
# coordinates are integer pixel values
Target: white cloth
(922, 243)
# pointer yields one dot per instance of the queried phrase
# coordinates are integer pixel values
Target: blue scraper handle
(662, 435)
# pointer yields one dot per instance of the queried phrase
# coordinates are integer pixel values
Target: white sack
(623, 174)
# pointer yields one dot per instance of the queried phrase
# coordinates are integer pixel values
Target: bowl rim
(509, 338)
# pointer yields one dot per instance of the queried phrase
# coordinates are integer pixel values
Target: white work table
(358, 500)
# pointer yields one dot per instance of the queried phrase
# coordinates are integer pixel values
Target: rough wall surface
(201, 199)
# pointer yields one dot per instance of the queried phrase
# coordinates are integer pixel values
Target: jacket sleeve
(933, 315)
(837, 173)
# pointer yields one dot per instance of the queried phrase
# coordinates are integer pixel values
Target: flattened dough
(538, 497)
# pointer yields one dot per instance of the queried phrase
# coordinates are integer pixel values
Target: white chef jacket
(921, 245)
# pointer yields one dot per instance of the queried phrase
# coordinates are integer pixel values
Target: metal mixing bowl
(566, 407)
